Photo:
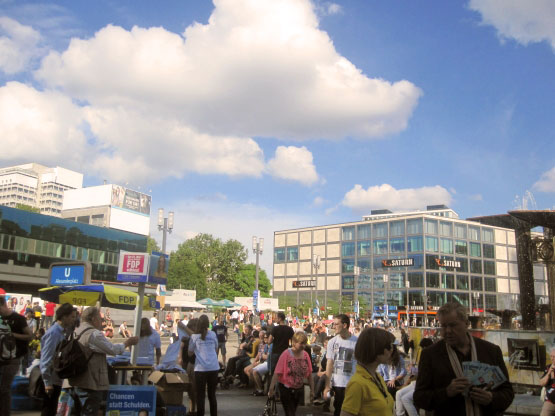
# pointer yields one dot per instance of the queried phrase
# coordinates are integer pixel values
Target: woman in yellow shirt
(366, 393)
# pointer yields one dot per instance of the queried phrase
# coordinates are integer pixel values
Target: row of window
(397, 246)
(416, 280)
(417, 226)
(62, 251)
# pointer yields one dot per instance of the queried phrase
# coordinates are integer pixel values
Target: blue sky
(251, 116)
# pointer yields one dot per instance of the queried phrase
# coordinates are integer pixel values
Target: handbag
(271, 408)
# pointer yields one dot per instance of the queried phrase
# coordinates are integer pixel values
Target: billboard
(131, 200)
(158, 268)
(143, 267)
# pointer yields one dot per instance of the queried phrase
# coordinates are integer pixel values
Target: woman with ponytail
(204, 345)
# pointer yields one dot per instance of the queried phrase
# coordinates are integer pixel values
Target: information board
(131, 401)
(69, 274)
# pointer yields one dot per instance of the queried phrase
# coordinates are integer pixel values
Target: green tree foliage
(152, 245)
(26, 207)
(214, 268)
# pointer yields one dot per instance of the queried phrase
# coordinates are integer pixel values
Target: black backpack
(70, 360)
(8, 347)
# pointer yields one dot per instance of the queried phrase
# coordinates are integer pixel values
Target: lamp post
(425, 310)
(357, 275)
(257, 248)
(476, 296)
(407, 285)
(316, 265)
(385, 308)
(165, 225)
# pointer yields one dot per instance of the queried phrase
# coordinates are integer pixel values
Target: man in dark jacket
(441, 385)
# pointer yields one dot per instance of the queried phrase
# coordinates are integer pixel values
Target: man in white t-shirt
(341, 361)
(154, 322)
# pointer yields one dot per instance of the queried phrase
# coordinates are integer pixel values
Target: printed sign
(133, 267)
(131, 200)
(18, 301)
(158, 268)
(131, 401)
(398, 262)
(69, 274)
(448, 263)
(304, 283)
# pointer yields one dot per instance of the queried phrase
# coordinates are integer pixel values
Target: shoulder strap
(81, 334)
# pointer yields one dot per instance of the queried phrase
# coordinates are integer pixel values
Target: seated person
(108, 328)
(123, 330)
(246, 360)
(393, 373)
(259, 367)
(245, 346)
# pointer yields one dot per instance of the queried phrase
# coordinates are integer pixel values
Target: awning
(184, 304)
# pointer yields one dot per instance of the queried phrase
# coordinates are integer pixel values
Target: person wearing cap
(66, 316)
(393, 372)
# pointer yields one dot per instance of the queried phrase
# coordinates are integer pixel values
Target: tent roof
(184, 303)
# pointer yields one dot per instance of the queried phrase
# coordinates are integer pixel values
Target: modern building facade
(30, 242)
(37, 186)
(422, 259)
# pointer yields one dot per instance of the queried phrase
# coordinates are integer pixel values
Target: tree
(28, 208)
(209, 266)
(152, 245)
(244, 283)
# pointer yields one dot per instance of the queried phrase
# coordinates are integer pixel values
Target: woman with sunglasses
(366, 393)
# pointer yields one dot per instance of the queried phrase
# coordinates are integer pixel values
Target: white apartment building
(37, 186)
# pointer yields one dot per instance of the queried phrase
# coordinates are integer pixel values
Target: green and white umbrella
(208, 302)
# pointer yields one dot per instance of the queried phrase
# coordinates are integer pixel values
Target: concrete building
(37, 186)
(422, 259)
(111, 206)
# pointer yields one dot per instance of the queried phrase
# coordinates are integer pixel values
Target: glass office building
(30, 242)
(424, 258)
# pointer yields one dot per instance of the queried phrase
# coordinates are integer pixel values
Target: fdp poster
(131, 401)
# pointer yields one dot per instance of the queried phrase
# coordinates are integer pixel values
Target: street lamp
(357, 275)
(258, 249)
(385, 308)
(476, 296)
(165, 225)
(407, 285)
(316, 265)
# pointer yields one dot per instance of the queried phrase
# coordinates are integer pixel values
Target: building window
(446, 246)
(489, 251)
(380, 246)
(489, 284)
(432, 280)
(446, 229)
(348, 233)
(347, 265)
(487, 235)
(348, 282)
(460, 230)
(397, 245)
(476, 283)
(464, 264)
(491, 302)
(396, 228)
(418, 261)
(462, 282)
(489, 267)
(474, 233)
(475, 266)
(378, 281)
(363, 248)
(431, 227)
(414, 226)
(460, 248)
(475, 249)
(292, 253)
(380, 230)
(447, 281)
(396, 280)
(348, 249)
(414, 244)
(416, 279)
(378, 263)
(279, 255)
(363, 231)
(431, 262)
(364, 265)
(431, 244)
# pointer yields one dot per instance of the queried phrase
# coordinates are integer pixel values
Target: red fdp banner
(133, 263)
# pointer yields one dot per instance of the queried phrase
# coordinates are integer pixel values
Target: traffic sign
(69, 274)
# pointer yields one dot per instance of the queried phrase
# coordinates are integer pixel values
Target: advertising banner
(18, 302)
(133, 267)
(131, 401)
(131, 200)
(158, 268)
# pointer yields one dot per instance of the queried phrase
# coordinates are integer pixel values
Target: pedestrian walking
(204, 345)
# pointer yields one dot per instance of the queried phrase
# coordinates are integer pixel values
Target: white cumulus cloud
(546, 182)
(18, 45)
(294, 164)
(387, 197)
(524, 21)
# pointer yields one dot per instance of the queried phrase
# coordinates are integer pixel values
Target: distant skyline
(245, 117)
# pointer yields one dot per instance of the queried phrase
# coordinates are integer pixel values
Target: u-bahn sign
(69, 273)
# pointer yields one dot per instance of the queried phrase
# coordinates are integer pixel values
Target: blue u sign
(67, 275)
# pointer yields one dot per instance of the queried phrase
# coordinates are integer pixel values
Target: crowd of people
(350, 368)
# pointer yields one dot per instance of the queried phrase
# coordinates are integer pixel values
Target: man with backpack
(66, 316)
(92, 385)
(14, 339)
